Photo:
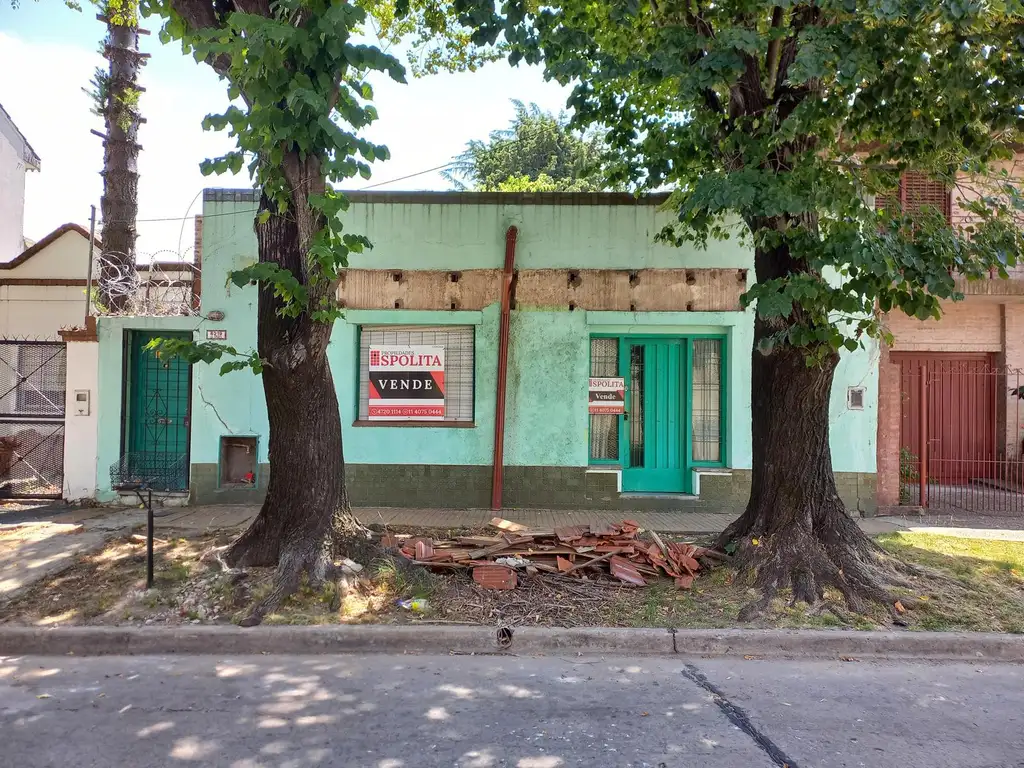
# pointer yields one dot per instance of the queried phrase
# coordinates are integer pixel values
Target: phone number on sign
(406, 410)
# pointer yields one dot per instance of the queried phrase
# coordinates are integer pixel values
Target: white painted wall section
(81, 429)
(12, 200)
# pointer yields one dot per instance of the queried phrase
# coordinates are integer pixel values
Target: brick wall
(888, 441)
(968, 189)
(976, 324)
(965, 326)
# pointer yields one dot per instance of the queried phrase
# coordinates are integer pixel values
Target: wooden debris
(506, 525)
(568, 552)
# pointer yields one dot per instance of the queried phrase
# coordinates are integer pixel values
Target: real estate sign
(406, 383)
(607, 395)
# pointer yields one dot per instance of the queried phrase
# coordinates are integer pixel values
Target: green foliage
(207, 352)
(432, 34)
(120, 104)
(778, 122)
(538, 152)
(296, 75)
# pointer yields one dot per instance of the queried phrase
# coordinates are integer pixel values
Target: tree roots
(835, 554)
(335, 557)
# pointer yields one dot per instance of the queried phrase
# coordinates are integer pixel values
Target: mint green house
(626, 370)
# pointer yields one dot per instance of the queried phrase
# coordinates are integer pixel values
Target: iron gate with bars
(962, 425)
(33, 375)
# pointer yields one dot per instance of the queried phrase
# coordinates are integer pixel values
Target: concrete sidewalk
(201, 519)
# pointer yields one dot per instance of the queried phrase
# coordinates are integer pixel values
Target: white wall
(67, 258)
(12, 201)
(80, 431)
(40, 311)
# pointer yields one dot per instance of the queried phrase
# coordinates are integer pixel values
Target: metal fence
(32, 380)
(962, 424)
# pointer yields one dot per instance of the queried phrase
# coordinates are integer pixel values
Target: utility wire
(255, 210)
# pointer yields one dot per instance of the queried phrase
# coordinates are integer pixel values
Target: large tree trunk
(306, 515)
(795, 532)
(119, 205)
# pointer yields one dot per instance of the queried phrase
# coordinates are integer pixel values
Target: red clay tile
(624, 570)
(495, 577)
(571, 533)
(424, 550)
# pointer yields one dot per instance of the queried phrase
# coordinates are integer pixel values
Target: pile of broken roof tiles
(614, 551)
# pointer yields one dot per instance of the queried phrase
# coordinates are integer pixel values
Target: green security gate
(655, 447)
(157, 410)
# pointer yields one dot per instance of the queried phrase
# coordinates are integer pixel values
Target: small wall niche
(238, 464)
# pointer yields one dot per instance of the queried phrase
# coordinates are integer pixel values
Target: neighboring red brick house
(974, 422)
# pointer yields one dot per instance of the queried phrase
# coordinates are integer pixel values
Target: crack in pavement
(739, 718)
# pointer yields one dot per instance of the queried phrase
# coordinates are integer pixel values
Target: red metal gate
(960, 432)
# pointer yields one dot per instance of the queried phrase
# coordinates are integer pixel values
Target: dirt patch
(969, 585)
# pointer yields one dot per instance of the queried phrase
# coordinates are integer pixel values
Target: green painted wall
(549, 350)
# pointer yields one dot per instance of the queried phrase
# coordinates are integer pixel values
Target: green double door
(653, 427)
(157, 409)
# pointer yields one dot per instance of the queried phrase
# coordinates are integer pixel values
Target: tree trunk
(306, 513)
(795, 532)
(119, 205)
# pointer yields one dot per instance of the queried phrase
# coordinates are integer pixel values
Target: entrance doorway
(655, 404)
(674, 410)
(157, 410)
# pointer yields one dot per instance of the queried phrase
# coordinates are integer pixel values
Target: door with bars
(33, 377)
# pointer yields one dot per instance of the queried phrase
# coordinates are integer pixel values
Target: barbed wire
(165, 286)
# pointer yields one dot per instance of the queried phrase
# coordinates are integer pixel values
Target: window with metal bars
(707, 400)
(459, 374)
(604, 427)
(915, 192)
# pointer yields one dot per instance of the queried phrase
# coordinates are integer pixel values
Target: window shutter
(920, 192)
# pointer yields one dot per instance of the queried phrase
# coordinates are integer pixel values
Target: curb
(527, 641)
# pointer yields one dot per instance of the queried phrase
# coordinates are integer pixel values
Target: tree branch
(703, 29)
(772, 60)
(202, 14)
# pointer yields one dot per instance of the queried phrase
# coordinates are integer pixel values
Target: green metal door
(655, 453)
(157, 424)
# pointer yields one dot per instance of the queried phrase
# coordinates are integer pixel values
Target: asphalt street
(486, 712)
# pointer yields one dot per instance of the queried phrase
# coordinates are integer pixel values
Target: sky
(48, 54)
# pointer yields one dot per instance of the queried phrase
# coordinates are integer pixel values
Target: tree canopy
(789, 116)
(538, 152)
(778, 121)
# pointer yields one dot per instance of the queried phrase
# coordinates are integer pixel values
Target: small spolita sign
(406, 383)
(607, 395)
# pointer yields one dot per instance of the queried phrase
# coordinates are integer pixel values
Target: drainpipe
(499, 406)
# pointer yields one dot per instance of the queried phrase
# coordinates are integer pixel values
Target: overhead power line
(254, 210)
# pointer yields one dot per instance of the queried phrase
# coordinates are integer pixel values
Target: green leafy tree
(296, 77)
(431, 33)
(777, 122)
(538, 152)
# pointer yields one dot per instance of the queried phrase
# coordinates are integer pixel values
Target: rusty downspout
(503, 333)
